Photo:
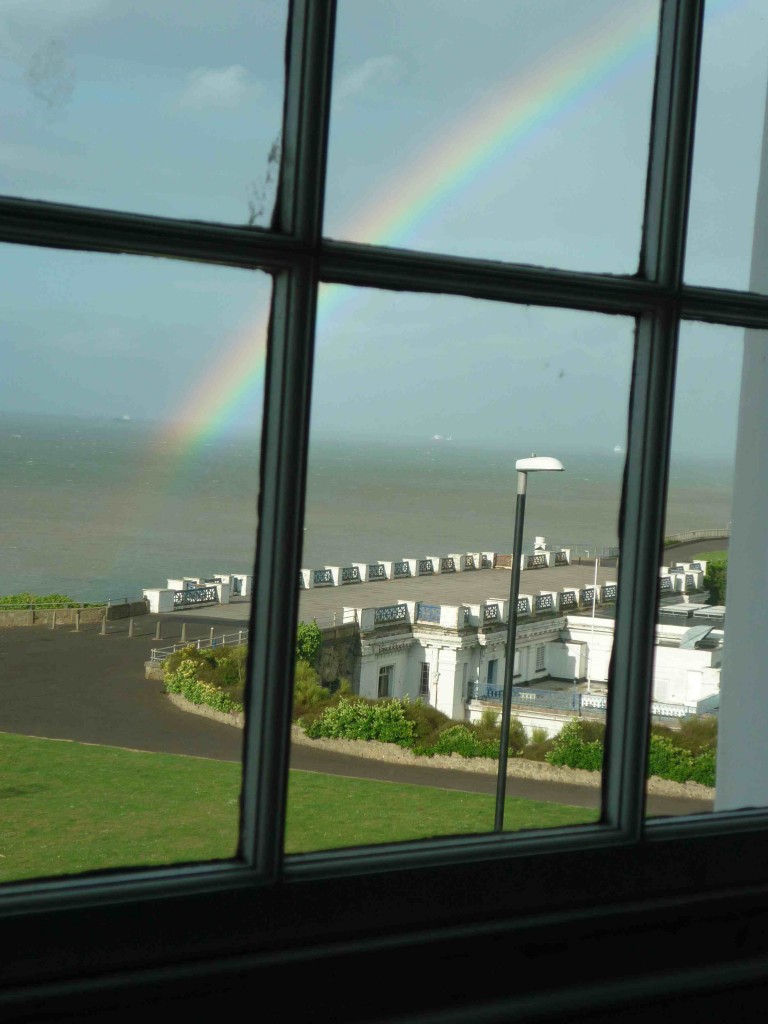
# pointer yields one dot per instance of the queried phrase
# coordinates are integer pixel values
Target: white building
(454, 658)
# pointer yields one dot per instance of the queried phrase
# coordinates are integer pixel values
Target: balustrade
(195, 595)
(390, 613)
(427, 612)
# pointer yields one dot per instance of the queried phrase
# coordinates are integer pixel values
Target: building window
(571, 279)
(424, 681)
(540, 658)
(386, 675)
(492, 666)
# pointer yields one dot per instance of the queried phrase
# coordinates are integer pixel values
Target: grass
(709, 556)
(73, 807)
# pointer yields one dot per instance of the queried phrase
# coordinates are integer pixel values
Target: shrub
(704, 768)
(184, 680)
(428, 723)
(460, 739)
(308, 693)
(715, 580)
(488, 729)
(539, 734)
(538, 751)
(697, 735)
(668, 761)
(573, 750)
(355, 719)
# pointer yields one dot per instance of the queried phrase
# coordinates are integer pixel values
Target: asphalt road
(91, 688)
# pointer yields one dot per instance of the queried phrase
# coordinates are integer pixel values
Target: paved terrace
(472, 586)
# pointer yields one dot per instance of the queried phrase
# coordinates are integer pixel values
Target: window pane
(461, 128)
(421, 406)
(130, 405)
(168, 108)
(691, 619)
(729, 139)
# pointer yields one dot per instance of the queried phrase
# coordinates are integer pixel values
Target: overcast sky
(172, 108)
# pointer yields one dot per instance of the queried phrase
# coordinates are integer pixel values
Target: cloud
(218, 88)
(374, 72)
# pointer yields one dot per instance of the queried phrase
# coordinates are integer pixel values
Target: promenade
(470, 587)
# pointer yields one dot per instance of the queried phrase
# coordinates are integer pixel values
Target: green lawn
(709, 556)
(73, 807)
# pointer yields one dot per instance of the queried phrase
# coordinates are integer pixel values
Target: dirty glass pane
(171, 108)
(421, 406)
(691, 634)
(130, 404)
(729, 140)
(507, 130)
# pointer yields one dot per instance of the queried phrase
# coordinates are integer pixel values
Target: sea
(99, 509)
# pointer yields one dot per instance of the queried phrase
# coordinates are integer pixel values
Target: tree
(308, 642)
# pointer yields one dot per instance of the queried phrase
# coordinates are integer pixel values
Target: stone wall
(339, 655)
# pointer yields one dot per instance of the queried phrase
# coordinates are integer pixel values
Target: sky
(505, 129)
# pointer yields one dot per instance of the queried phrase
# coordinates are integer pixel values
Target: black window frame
(187, 931)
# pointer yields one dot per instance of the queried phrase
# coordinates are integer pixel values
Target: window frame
(262, 908)
(386, 676)
(424, 680)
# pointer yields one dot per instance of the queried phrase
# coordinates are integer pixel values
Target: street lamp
(536, 464)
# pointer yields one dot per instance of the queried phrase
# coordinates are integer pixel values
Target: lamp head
(538, 464)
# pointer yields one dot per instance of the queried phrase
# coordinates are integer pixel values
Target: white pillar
(742, 746)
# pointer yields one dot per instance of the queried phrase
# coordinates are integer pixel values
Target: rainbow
(522, 108)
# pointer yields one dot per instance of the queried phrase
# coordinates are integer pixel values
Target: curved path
(60, 684)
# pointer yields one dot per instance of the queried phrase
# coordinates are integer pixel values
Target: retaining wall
(66, 616)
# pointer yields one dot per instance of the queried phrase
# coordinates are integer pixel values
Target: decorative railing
(609, 592)
(665, 710)
(486, 562)
(568, 599)
(159, 654)
(665, 583)
(195, 595)
(523, 606)
(491, 613)
(588, 595)
(401, 569)
(469, 562)
(676, 569)
(321, 577)
(561, 558)
(467, 614)
(391, 613)
(428, 612)
(544, 603)
(301, 578)
(569, 700)
(350, 574)
(425, 567)
(696, 566)
(690, 582)
(447, 565)
(377, 572)
(683, 538)
(536, 561)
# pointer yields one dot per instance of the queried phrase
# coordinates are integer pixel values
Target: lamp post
(536, 464)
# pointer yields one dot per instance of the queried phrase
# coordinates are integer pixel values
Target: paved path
(91, 688)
